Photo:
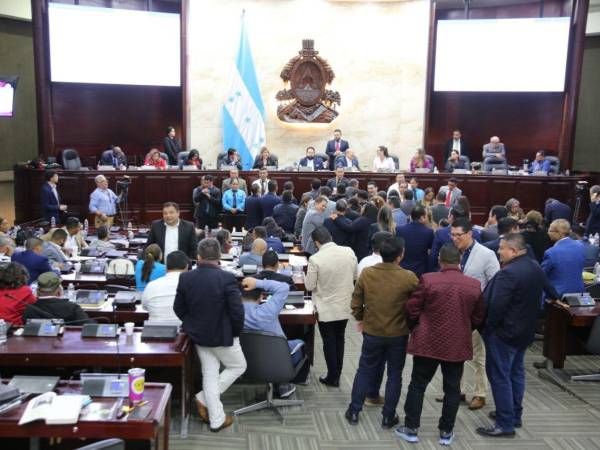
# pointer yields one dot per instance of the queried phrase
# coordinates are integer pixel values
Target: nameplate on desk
(422, 170)
(305, 169)
(103, 330)
(41, 328)
(540, 173)
(101, 168)
(460, 171)
(192, 167)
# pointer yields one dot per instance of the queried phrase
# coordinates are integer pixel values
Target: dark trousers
(202, 221)
(423, 371)
(333, 335)
(378, 350)
(373, 391)
(505, 369)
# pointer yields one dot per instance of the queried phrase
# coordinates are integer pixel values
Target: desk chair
(70, 159)
(554, 165)
(268, 360)
(396, 161)
(593, 347)
(182, 158)
(324, 157)
(107, 444)
(491, 162)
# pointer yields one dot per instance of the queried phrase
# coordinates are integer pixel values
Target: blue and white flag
(243, 112)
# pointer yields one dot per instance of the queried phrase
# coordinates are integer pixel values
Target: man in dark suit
(310, 160)
(209, 304)
(315, 184)
(347, 160)
(339, 235)
(253, 208)
(270, 199)
(490, 232)
(557, 210)
(285, 212)
(506, 225)
(339, 178)
(49, 198)
(513, 306)
(439, 211)
(32, 259)
(173, 233)
(114, 156)
(456, 143)
(592, 225)
(336, 146)
(418, 239)
(171, 146)
(208, 203)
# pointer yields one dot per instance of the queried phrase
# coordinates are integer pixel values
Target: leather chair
(220, 159)
(465, 159)
(182, 158)
(396, 161)
(554, 165)
(431, 160)
(490, 163)
(70, 159)
(593, 347)
(107, 444)
(164, 156)
(268, 361)
(324, 157)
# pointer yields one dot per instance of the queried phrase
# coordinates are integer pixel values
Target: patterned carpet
(555, 417)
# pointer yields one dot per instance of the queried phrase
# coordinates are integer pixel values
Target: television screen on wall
(113, 46)
(7, 96)
(502, 55)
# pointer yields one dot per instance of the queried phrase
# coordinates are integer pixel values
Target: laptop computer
(32, 384)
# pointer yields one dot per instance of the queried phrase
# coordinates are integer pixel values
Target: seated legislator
(171, 146)
(540, 163)
(332, 183)
(208, 203)
(75, 240)
(102, 244)
(264, 316)
(231, 159)
(154, 159)
(336, 146)
(225, 241)
(264, 159)
(285, 212)
(32, 259)
(50, 199)
(172, 233)
(263, 181)
(270, 232)
(7, 248)
(51, 304)
(312, 161)
(253, 208)
(149, 268)
(456, 143)
(495, 148)
(270, 263)
(53, 249)
(419, 161)
(234, 174)
(347, 160)
(194, 159)
(254, 257)
(15, 295)
(234, 199)
(159, 295)
(454, 162)
(383, 161)
(115, 157)
(103, 203)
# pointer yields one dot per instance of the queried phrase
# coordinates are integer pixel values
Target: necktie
(262, 188)
(234, 193)
(337, 146)
(448, 198)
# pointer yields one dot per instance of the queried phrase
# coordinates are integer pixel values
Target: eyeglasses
(457, 235)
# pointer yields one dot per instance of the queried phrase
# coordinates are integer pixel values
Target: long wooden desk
(567, 330)
(154, 428)
(71, 350)
(150, 189)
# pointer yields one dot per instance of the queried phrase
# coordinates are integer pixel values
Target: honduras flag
(243, 112)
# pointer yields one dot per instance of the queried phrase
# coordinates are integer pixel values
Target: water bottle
(34, 288)
(597, 271)
(53, 222)
(235, 251)
(86, 227)
(129, 231)
(129, 226)
(3, 330)
(71, 292)
(435, 169)
(596, 239)
(206, 231)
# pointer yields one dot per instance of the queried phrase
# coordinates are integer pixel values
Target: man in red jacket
(446, 306)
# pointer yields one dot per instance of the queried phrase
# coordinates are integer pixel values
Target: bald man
(347, 160)
(259, 247)
(495, 149)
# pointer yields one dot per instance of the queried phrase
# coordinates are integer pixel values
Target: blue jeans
(505, 369)
(378, 350)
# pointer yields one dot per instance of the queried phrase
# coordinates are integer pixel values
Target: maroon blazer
(447, 306)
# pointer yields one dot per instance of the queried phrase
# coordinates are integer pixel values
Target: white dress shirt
(387, 163)
(456, 145)
(171, 239)
(158, 298)
(55, 192)
(264, 185)
(368, 261)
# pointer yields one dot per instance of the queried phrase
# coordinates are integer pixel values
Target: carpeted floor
(555, 417)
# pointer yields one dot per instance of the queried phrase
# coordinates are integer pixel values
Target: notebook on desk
(54, 409)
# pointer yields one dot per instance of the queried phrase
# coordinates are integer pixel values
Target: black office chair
(268, 360)
(554, 165)
(324, 157)
(593, 289)
(182, 158)
(396, 161)
(221, 159)
(70, 159)
(164, 156)
(492, 163)
(593, 347)
(107, 444)
(431, 160)
(465, 159)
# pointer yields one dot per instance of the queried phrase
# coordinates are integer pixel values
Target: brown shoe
(202, 411)
(227, 423)
(375, 401)
(477, 403)
(463, 398)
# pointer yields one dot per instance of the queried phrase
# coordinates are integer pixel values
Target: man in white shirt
(375, 257)
(263, 181)
(159, 295)
(396, 186)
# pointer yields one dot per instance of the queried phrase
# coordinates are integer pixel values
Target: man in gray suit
(495, 148)
(452, 192)
(234, 173)
(53, 248)
(314, 218)
(480, 263)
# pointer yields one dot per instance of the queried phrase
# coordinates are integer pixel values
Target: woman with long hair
(377, 201)
(15, 295)
(193, 159)
(419, 161)
(149, 268)
(264, 159)
(535, 234)
(428, 197)
(383, 160)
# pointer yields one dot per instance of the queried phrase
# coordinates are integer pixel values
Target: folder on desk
(54, 409)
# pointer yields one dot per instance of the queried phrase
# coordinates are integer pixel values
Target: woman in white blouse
(383, 160)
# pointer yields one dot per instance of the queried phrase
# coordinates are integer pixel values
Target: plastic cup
(136, 384)
(129, 328)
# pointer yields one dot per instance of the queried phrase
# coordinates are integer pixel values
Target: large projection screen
(502, 55)
(113, 46)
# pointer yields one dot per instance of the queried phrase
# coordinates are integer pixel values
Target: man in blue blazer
(32, 259)
(557, 210)
(310, 160)
(540, 163)
(418, 239)
(336, 146)
(512, 300)
(254, 215)
(563, 262)
(50, 199)
(270, 199)
(347, 160)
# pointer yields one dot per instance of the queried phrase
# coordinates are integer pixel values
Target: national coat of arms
(307, 100)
